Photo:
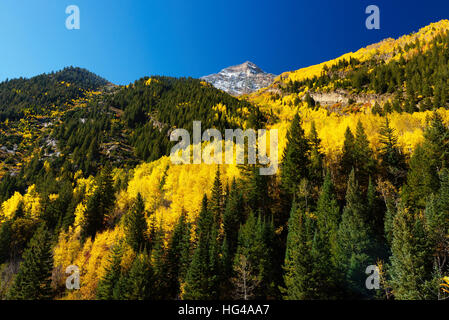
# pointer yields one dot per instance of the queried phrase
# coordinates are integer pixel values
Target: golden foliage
(386, 48)
(445, 284)
(89, 187)
(9, 207)
(92, 259)
(31, 204)
(168, 189)
(331, 127)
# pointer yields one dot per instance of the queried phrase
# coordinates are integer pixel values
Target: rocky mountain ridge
(240, 79)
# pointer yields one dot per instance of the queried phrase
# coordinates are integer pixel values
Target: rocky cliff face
(240, 79)
(343, 97)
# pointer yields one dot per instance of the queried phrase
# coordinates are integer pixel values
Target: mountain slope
(240, 79)
(59, 117)
(153, 106)
(64, 147)
(45, 91)
(31, 108)
(405, 79)
(412, 67)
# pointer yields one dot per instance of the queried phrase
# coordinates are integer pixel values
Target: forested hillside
(39, 94)
(364, 139)
(153, 106)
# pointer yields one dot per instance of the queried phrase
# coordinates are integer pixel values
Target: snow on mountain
(240, 79)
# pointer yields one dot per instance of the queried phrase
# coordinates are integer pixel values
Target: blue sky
(123, 40)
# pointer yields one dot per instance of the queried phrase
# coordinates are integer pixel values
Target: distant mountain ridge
(384, 52)
(403, 75)
(240, 79)
(46, 91)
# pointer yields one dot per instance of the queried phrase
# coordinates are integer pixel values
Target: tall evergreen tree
(54, 211)
(255, 187)
(437, 225)
(299, 270)
(422, 179)
(160, 282)
(316, 169)
(328, 219)
(355, 241)
(309, 100)
(136, 225)
(364, 162)
(139, 278)
(178, 255)
(411, 268)
(34, 277)
(357, 155)
(436, 142)
(107, 288)
(202, 278)
(217, 198)
(205, 220)
(310, 265)
(232, 218)
(214, 264)
(255, 247)
(99, 204)
(392, 159)
(348, 155)
(376, 210)
(196, 285)
(296, 160)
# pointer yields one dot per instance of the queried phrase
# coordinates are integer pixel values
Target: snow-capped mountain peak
(240, 79)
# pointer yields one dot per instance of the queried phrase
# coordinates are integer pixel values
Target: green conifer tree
(348, 156)
(422, 179)
(364, 162)
(136, 225)
(217, 198)
(316, 158)
(411, 268)
(107, 286)
(392, 159)
(99, 204)
(437, 225)
(296, 161)
(328, 219)
(202, 279)
(232, 218)
(139, 278)
(178, 255)
(255, 247)
(34, 277)
(436, 142)
(376, 210)
(299, 270)
(160, 281)
(355, 241)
